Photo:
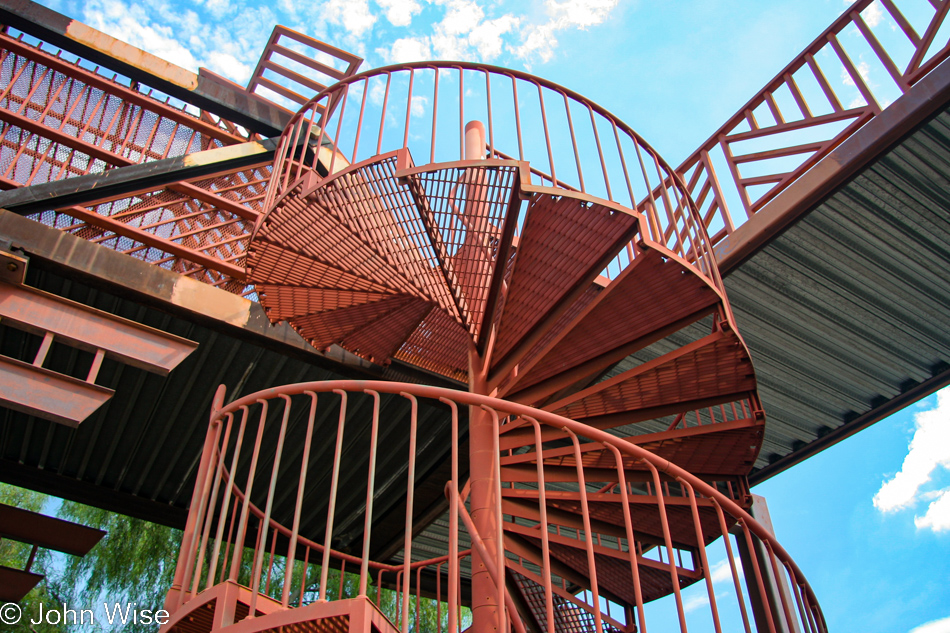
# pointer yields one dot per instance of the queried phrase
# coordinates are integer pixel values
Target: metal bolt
(12, 267)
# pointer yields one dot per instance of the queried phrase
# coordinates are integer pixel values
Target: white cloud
(721, 572)
(937, 517)
(486, 37)
(464, 33)
(929, 449)
(132, 25)
(580, 14)
(934, 626)
(218, 8)
(872, 15)
(863, 69)
(354, 15)
(184, 38)
(419, 105)
(400, 12)
(696, 601)
(407, 49)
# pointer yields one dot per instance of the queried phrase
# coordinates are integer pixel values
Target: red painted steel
(273, 72)
(111, 122)
(42, 532)
(469, 268)
(34, 389)
(785, 129)
(660, 520)
(92, 330)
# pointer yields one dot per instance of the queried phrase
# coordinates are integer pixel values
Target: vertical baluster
(270, 563)
(303, 577)
(382, 117)
(547, 136)
(227, 547)
(491, 129)
(418, 594)
(259, 558)
(600, 152)
(588, 540)
(331, 510)
(221, 450)
(410, 489)
(227, 501)
(359, 124)
(545, 549)
(701, 546)
(514, 95)
(461, 113)
(339, 595)
(763, 600)
(379, 586)
(631, 540)
(798, 598)
(301, 485)
(438, 597)
(339, 129)
(623, 164)
(570, 127)
(668, 542)
(435, 110)
(779, 584)
(454, 572)
(186, 557)
(499, 528)
(370, 490)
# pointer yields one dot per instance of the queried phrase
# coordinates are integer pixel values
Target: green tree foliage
(133, 563)
(13, 554)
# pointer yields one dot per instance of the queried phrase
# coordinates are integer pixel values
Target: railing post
(173, 599)
(774, 586)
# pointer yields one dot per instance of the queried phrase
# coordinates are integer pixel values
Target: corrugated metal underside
(846, 310)
(850, 307)
(138, 454)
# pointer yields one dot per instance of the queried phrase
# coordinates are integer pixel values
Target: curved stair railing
(407, 220)
(599, 521)
(569, 142)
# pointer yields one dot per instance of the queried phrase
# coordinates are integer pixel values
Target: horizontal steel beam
(928, 97)
(47, 532)
(92, 330)
(111, 158)
(134, 179)
(48, 395)
(205, 89)
(16, 583)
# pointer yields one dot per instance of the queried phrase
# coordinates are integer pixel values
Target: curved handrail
(654, 462)
(338, 127)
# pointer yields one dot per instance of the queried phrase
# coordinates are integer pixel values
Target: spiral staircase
(557, 307)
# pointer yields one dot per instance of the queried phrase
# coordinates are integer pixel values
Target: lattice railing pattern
(866, 59)
(59, 119)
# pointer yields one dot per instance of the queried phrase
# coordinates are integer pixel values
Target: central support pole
(482, 457)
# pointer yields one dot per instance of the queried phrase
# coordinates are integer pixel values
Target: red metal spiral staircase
(592, 329)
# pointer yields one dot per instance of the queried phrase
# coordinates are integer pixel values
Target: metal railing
(866, 59)
(570, 143)
(266, 510)
(60, 119)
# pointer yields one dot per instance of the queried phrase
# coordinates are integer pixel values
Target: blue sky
(868, 520)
